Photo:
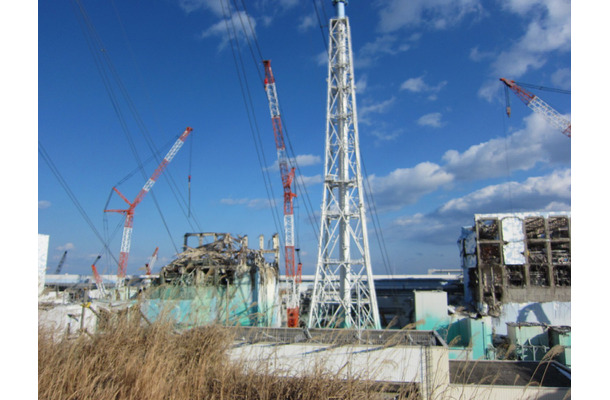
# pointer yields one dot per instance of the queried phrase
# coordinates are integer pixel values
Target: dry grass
(131, 361)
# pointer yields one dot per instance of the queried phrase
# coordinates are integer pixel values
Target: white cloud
(562, 78)
(365, 111)
(302, 160)
(433, 120)
(537, 142)
(434, 14)
(236, 20)
(548, 30)
(310, 180)
(476, 55)
(249, 203)
(535, 194)
(307, 22)
(305, 160)
(67, 246)
(384, 136)
(405, 186)
(417, 85)
(211, 5)
(361, 83)
(322, 59)
(543, 193)
(42, 204)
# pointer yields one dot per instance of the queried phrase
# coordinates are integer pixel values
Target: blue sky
(436, 143)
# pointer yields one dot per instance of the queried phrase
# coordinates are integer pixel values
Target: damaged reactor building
(219, 280)
(517, 268)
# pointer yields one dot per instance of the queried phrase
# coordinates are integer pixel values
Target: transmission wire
(251, 118)
(47, 159)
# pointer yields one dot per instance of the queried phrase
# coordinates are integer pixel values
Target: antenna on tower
(344, 290)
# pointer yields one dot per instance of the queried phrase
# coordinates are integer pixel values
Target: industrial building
(219, 280)
(484, 331)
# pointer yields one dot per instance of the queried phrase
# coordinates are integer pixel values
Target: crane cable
(94, 41)
(177, 193)
(47, 159)
(292, 160)
(247, 98)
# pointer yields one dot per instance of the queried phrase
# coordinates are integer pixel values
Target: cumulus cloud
(433, 14)
(310, 180)
(42, 204)
(237, 19)
(67, 246)
(382, 46)
(249, 203)
(210, 5)
(417, 85)
(361, 83)
(307, 22)
(536, 194)
(405, 186)
(302, 160)
(384, 135)
(366, 110)
(433, 120)
(562, 78)
(537, 142)
(548, 30)
(477, 55)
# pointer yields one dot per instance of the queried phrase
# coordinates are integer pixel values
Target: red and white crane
(153, 259)
(293, 275)
(98, 279)
(128, 226)
(535, 103)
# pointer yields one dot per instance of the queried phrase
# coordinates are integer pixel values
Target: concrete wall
(250, 300)
(43, 251)
(425, 365)
(505, 392)
(550, 313)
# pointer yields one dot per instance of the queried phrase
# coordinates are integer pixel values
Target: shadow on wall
(535, 308)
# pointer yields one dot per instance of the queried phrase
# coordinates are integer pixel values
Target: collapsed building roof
(223, 257)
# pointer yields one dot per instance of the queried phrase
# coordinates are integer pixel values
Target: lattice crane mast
(293, 275)
(151, 263)
(128, 226)
(61, 262)
(538, 105)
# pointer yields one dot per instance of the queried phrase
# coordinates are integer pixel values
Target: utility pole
(344, 290)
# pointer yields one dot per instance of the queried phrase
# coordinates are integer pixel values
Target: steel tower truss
(344, 290)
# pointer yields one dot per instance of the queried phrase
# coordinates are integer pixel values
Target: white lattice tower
(344, 290)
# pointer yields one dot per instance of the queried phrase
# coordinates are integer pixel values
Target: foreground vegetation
(131, 361)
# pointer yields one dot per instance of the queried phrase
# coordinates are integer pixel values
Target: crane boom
(152, 261)
(98, 279)
(292, 275)
(538, 105)
(128, 226)
(61, 262)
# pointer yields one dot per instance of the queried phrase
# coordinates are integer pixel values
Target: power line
(47, 159)
(247, 98)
